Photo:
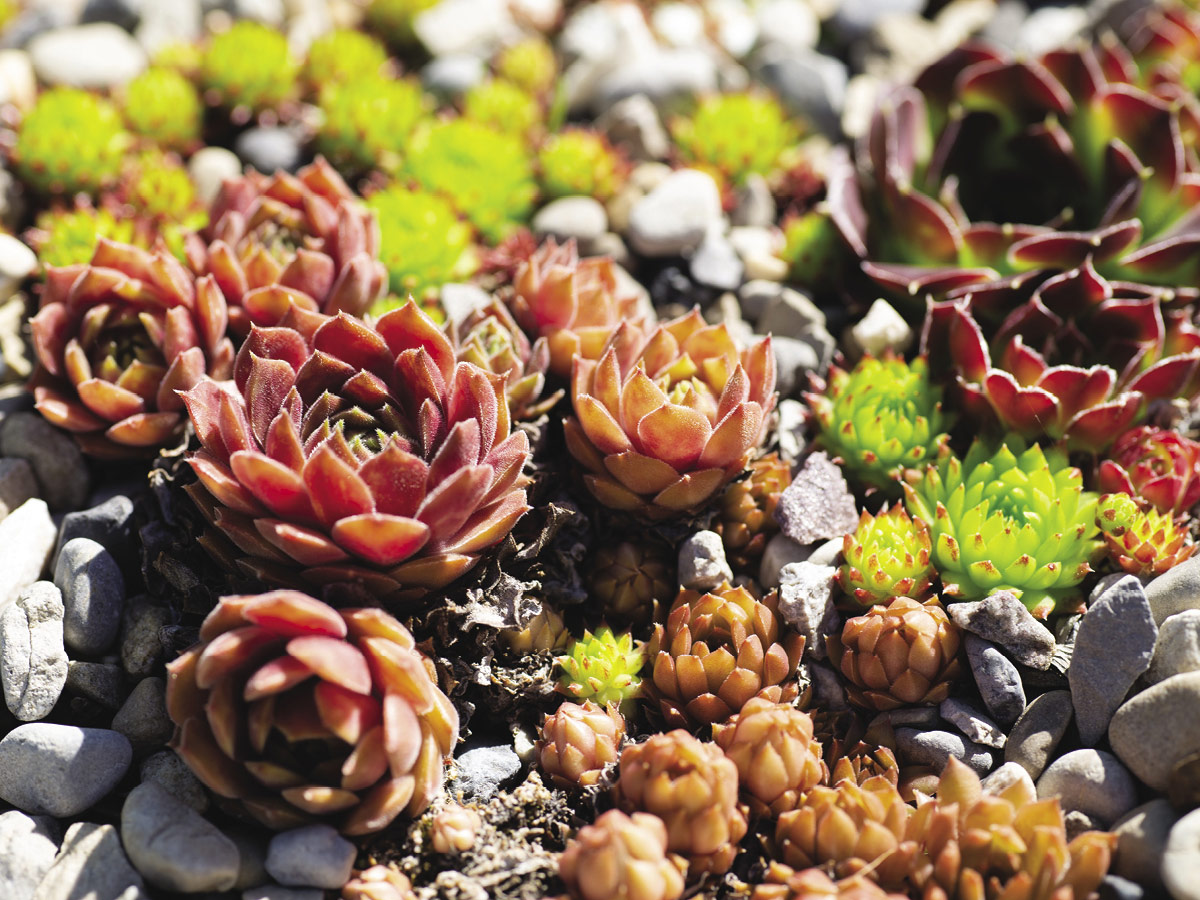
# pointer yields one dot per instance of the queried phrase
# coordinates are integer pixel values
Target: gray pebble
(60, 770)
(1006, 777)
(278, 892)
(1076, 823)
(252, 858)
(794, 361)
(913, 717)
(786, 312)
(33, 660)
(1177, 649)
(829, 691)
(715, 263)
(581, 218)
(754, 204)
(1003, 619)
(817, 505)
(482, 770)
(1114, 887)
(702, 563)
(997, 678)
(1035, 737)
(674, 217)
(125, 14)
(1154, 730)
(1142, 839)
(91, 864)
(451, 76)
(313, 856)
(93, 57)
(806, 603)
(461, 301)
(810, 84)
(17, 484)
(1175, 590)
(934, 749)
(633, 125)
(1114, 646)
(828, 553)
(269, 149)
(28, 845)
(26, 539)
(1091, 782)
(210, 168)
(780, 551)
(101, 683)
(58, 465)
(1181, 860)
(972, 723)
(141, 648)
(172, 774)
(173, 846)
(143, 718)
(880, 330)
(109, 523)
(93, 593)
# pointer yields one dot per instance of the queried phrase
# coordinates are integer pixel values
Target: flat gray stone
(702, 563)
(1036, 735)
(91, 864)
(1181, 859)
(1142, 839)
(172, 774)
(972, 723)
(786, 311)
(817, 505)
(101, 683)
(997, 678)
(26, 538)
(109, 523)
(313, 856)
(94, 595)
(173, 846)
(1177, 649)
(1155, 730)
(674, 217)
(141, 649)
(934, 749)
(94, 57)
(1175, 590)
(143, 718)
(58, 464)
(715, 263)
(1004, 620)
(1114, 646)
(1091, 782)
(806, 603)
(482, 770)
(581, 218)
(28, 845)
(33, 660)
(60, 770)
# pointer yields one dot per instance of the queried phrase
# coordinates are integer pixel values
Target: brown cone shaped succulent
(747, 517)
(621, 856)
(116, 339)
(901, 654)
(356, 454)
(305, 713)
(378, 883)
(785, 883)
(454, 829)
(578, 741)
(717, 651)
(305, 239)
(631, 580)
(778, 760)
(545, 632)
(692, 786)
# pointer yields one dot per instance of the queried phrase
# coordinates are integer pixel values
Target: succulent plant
(578, 741)
(578, 162)
(603, 667)
(666, 418)
(735, 135)
(491, 339)
(1143, 543)
(340, 55)
(305, 713)
(162, 106)
(693, 787)
(544, 632)
(422, 241)
(68, 236)
(785, 883)
(158, 187)
(392, 20)
(503, 106)
(882, 418)
(777, 758)
(747, 516)
(621, 856)
(70, 142)
(487, 174)
(631, 580)
(574, 303)
(379, 882)
(116, 339)
(1159, 466)
(812, 248)
(717, 651)
(248, 67)
(358, 454)
(366, 122)
(1012, 518)
(529, 63)
(454, 829)
(901, 654)
(887, 556)
(302, 239)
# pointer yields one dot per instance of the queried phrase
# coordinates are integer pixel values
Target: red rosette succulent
(664, 419)
(305, 239)
(115, 340)
(1157, 465)
(305, 713)
(350, 453)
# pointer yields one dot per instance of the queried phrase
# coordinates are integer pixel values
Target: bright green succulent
(366, 122)
(392, 20)
(887, 556)
(603, 668)
(249, 66)
(157, 185)
(344, 54)
(504, 106)
(163, 106)
(578, 162)
(1011, 519)
(487, 174)
(530, 64)
(735, 135)
(70, 141)
(422, 241)
(1143, 542)
(66, 237)
(883, 417)
(813, 248)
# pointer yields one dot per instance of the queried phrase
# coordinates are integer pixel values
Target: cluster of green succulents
(65, 237)
(578, 162)
(504, 106)
(735, 135)
(529, 64)
(249, 67)
(71, 141)
(163, 106)
(367, 122)
(344, 54)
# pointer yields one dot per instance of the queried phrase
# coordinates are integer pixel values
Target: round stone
(1142, 834)
(60, 770)
(1091, 782)
(1150, 735)
(1181, 859)
(173, 846)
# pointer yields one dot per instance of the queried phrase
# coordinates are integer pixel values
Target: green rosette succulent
(344, 54)
(1011, 519)
(163, 106)
(486, 174)
(602, 667)
(366, 122)
(813, 248)
(70, 141)
(735, 135)
(66, 237)
(422, 241)
(578, 162)
(249, 66)
(504, 106)
(157, 185)
(529, 64)
(887, 556)
(883, 417)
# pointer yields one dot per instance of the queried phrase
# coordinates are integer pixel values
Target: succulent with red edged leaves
(1157, 465)
(115, 340)
(665, 418)
(346, 453)
(305, 239)
(305, 713)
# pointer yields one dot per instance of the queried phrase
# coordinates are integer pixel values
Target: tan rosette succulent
(578, 741)
(621, 856)
(378, 883)
(718, 650)
(631, 580)
(785, 883)
(306, 713)
(778, 760)
(454, 828)
(544, 632)
(747, 515)
(902, 654)
(693, 787)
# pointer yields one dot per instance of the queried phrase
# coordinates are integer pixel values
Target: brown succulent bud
(777, 759)
(692, 786)
(901, 654)
(377, 883)
(716, 651)
(631, 580)
(785, 883)
(545, 631)
(454, 829)
(746, 520)
(579, 741)
(624, 857)
(865, 761)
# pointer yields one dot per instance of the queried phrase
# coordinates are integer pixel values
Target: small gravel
(172, 774)
(173, 846)
(313, 856)
(1005, 621)
(1091, 782)
(60, 770)
(934, 749)
(94, 595)
(997, 678)
(1036, 735)
(1177, 649)
(33, 660)
(143, 717)
(1181, 860)
(702, 563)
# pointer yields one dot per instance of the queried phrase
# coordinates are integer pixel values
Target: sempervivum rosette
(665, 418)
(1157, 465)
(306, 713)
(116, 338)
(364, 455)
(305, 239)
